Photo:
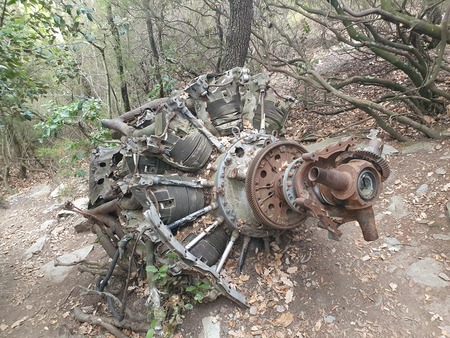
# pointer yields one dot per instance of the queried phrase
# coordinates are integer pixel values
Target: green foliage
(159, 274)
(66, 156)
(29, 31)
(151, 330)
(165, 87)
(198, 290)
(84, 113)
(306, 27)
(68, 153)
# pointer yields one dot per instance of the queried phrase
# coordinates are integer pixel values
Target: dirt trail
(396, 286)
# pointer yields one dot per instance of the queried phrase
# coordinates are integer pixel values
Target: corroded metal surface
(264, 188)
(196, 171)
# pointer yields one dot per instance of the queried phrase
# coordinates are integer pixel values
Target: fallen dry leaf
(289, 296)
(318, 325)
(244, 277)
(292, 269)
(284, 320)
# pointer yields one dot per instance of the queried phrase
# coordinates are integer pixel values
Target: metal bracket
(189, 259)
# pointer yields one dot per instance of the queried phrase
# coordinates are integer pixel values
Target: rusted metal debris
(216, 149)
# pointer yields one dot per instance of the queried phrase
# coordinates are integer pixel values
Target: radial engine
(198, 170)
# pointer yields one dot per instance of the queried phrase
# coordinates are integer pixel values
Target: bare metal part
(192, 217)
(205, 232)
(175, 103)
(243, 253)
(103, 166)
(234, 237)
(191, 262)
(262, 128)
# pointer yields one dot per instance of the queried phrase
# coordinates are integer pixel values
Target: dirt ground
(396, 286)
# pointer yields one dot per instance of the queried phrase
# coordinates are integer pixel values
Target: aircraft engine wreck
(214, 152)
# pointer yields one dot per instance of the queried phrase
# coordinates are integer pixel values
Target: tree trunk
(238, 33)
(153, 46)
(119, 59)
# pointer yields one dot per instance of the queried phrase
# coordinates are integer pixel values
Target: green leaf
(191, 288)
(199, 296)
(151, 268)
(150, 333)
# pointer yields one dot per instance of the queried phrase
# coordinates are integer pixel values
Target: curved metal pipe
(332, 178)
(118, 123)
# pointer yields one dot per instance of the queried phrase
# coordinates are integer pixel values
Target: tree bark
(119, 59)
(155, 62)
(238, 33)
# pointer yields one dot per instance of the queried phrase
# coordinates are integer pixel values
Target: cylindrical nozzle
(332, 178)
(366, 220)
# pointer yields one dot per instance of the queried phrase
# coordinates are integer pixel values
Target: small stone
(444, 276)
(280, 308)
(398, 207)
(418, 147)
(48, 224)
(3, 327)
(446, 330)
(40, 191)
(393, 244)
(19, 322)
(441, 171)
(58, 273)
(253, 310)
(87, 309)
(37, 246)
(389, 150)
(58, 230)
(57, 192)
(330, 319)
(211, 327)
(64, 213)
(442, 237)
(81, 203)
(365, 258)
(426, 272)
(423, 189)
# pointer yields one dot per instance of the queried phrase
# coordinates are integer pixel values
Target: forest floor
(396, 286)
